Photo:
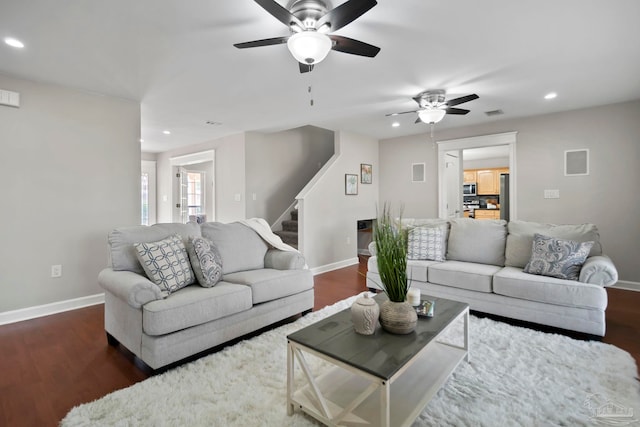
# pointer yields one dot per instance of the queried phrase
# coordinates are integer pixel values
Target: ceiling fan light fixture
(309, 47)
(431, 115)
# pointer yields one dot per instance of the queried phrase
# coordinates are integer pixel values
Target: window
(144, 186)
(195, 193)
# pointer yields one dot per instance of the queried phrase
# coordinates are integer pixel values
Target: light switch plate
(551, 194)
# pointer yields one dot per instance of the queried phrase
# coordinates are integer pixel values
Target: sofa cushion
(240, 247)
(205, 261)
(268, 284)
(464, 275)
(426, 243)
(166, 263)
(416, 269)
(482, 242)
(194, 305)
(122, 254)
(513, 282)
(557, 258)
(520, 238)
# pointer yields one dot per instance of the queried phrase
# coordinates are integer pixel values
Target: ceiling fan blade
(280, 13)
(354, 47)
(305, 68)
(404, 112)
(460, 111)
(461, 100)
(346, 13)
(418, 120)
(264, 42)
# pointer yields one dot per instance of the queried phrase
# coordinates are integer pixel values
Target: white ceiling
(177, 58)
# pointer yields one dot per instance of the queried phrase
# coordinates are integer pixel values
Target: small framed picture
(366, 173)
(350, 184)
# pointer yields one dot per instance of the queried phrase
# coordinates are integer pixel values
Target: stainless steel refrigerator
(504, 196)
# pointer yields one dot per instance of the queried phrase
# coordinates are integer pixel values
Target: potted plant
(396, 315)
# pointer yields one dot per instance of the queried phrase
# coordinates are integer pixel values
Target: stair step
(294, 215)
(290, 225)
(288, 237)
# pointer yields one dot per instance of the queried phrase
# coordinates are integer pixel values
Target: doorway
(193, 187)
(448, 187)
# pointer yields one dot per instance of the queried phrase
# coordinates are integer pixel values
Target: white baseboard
(48, 309)
(334, 266)
(628, 285)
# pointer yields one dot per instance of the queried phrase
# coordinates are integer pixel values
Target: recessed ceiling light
(550, 95)
(14, 42)
(395, 124)
(166, 132)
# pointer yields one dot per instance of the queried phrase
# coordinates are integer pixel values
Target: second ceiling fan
(433, 106)
(310, 22)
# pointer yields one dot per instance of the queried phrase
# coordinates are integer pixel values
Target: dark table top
(381, 354)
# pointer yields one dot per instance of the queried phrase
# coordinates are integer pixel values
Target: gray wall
(69, 173)
(329, 217)
(608, 197)
(280, 164)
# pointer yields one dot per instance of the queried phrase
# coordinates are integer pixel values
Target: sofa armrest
(133, 288)
(599, 270)
(373, 249)
(284, 260)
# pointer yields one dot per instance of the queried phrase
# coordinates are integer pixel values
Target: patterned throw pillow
(426, 243)
(558, 258)
(205, 260)
(166, 263)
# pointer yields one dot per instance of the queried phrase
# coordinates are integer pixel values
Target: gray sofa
(484, 268)
(260, 285)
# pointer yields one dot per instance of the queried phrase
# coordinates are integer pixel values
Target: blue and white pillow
(558, 258)
(166, 263)
(205, 261)
(426, 243)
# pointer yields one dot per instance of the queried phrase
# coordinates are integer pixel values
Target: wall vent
(494, 113)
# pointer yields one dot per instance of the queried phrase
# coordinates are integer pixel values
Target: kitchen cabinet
(487, 213)
(487, 182)
(470, 177)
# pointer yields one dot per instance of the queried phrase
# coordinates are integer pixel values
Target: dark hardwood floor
(50, 364)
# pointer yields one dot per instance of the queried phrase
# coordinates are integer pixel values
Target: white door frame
(191, 159)
(507, 138)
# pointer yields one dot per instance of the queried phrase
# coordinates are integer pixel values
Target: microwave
(469, 189)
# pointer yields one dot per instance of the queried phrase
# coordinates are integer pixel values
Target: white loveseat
(260, 285)
(484, 268)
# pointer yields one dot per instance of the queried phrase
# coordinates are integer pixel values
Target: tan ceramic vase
(364, 314)
(398, 317)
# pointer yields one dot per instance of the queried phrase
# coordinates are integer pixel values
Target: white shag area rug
(516, 377)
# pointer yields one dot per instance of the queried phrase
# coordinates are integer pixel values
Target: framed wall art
(350, 184)
(366, 173)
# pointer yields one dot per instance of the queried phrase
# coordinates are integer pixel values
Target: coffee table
(375, 380)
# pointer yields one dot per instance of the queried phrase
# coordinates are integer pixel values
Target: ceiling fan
(433, 106)
(310, 22)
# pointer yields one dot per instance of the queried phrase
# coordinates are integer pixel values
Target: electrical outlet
(237, 197)
(56, 270)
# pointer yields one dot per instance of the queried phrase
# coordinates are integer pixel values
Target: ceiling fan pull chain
(310, 97)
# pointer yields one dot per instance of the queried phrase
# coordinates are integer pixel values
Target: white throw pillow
(166, 263)
(426, 243)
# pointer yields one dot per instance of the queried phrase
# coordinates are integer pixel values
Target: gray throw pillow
(205, 261)
(557, 258)
(166, 263)
(426, 243)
